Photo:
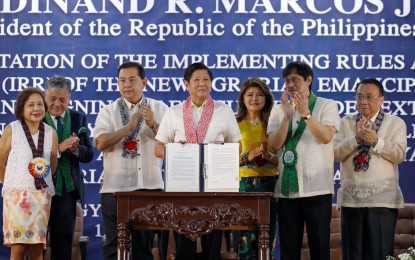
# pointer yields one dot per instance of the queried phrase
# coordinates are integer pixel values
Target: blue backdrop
(344, 41)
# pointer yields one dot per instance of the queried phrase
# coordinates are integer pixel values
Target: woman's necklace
(254, 122)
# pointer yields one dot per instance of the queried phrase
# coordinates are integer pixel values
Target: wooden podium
(193, 214)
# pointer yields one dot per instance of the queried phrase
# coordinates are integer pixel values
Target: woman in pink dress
(28, 157)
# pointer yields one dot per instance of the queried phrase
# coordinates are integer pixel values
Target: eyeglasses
(368, 98)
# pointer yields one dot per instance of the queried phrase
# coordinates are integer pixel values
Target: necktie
(59, 127)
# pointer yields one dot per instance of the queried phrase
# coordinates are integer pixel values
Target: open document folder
(202, 167)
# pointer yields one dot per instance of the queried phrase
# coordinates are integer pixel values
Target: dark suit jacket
(86, 152)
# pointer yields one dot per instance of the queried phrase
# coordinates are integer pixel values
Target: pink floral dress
(25, 210)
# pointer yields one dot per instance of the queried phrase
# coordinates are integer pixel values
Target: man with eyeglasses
(125, 132)
(301, 128)
(369, 146)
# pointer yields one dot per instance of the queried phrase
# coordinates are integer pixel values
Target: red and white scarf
(197, 134)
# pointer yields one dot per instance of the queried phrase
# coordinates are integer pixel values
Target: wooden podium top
(193, 214)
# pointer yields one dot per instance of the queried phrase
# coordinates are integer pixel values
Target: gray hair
(58, 82)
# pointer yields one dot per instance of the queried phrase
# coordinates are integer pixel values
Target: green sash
(289, 181)
(64, 164)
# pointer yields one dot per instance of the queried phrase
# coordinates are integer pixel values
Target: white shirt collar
(203, 104)
(54, 117)
(129, 104)
(373, 118)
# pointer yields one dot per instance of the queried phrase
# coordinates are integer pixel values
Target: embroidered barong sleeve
(394, 144)
(327, 124)
(233, 132)
(277, 129)
(102, 125)
(165, 133)
(330, 114)
(344, 145)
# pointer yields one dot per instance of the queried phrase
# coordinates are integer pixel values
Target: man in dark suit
(74, 147)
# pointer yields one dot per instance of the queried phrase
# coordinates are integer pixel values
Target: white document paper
(182, 166)
(221, 167)
(208, 167)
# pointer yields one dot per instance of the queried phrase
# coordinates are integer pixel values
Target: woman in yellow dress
(28, 157)
(258, 165)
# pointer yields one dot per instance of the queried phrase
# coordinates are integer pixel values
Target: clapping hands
(257, 150)
(366, 131)
(71, 143)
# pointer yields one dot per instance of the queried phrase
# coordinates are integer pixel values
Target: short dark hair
(269, 100)
(196, 66)
(374, 82)
(58, 82)
(23, 97)
(132, 64)
(301, 68)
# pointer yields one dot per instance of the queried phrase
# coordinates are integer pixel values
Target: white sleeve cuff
(379, 146)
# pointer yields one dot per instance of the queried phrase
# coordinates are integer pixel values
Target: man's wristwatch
(308, 116)
(155, 126)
